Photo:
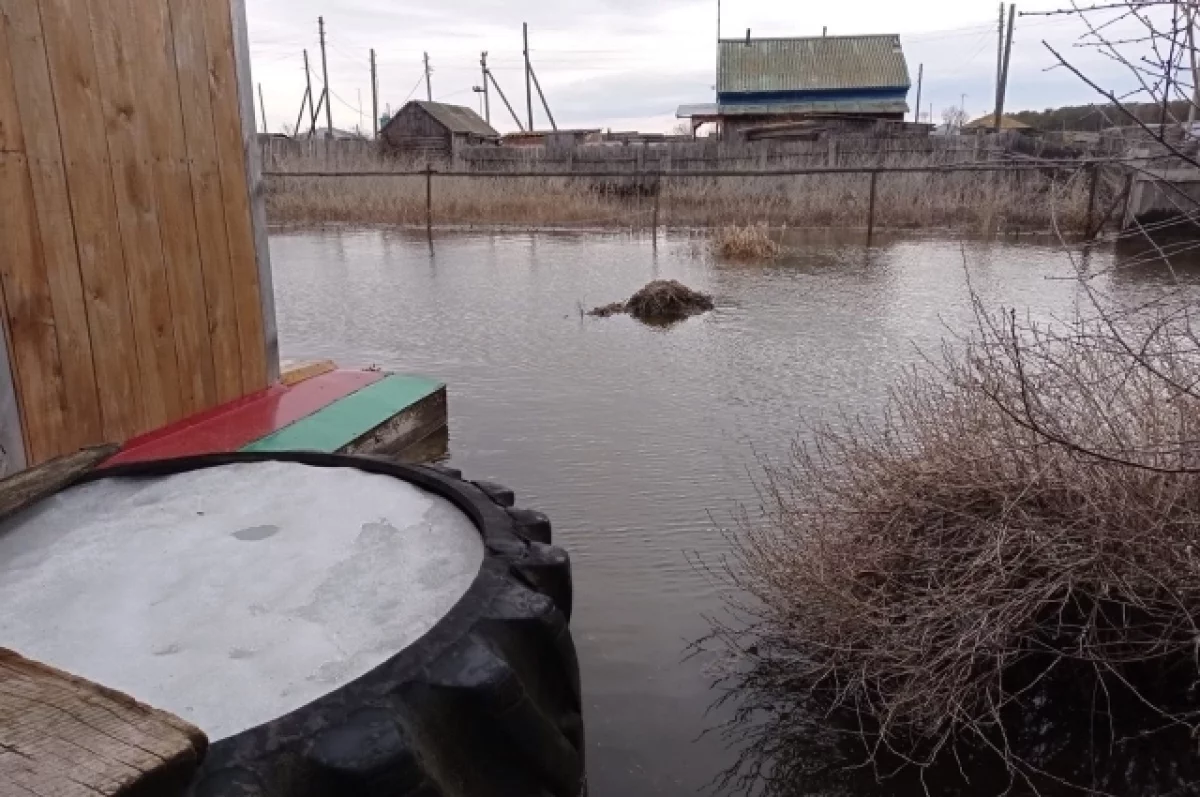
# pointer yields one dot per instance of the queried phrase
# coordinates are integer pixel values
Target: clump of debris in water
(660, 301)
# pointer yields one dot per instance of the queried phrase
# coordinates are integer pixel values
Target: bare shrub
(752, 242)
(1020, 532)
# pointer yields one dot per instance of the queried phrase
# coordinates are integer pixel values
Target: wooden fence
(133, 263)
(281, 154)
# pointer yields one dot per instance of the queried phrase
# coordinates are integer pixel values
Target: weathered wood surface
(132, 269)
(62, 736)
(29, 486)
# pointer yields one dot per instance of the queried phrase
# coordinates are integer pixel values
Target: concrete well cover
(233, 595)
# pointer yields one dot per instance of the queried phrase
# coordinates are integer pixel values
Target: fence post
(429, 200)
(657, 194)
(1091, 207)
(871, 206)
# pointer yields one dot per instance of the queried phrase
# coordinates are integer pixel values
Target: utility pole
(325, 77)
(537, 85)
(504, 99)
(305, 100)
(262, 109)
(999, 65)
(962, 110)
(528, 81)
(374, 98)
(312, 109)
(920, 80)
(1012, 13)
(317, 112)
(428, 80)
(487, 102)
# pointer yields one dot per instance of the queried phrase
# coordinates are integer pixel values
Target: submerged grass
(752, 242)
(980, 202)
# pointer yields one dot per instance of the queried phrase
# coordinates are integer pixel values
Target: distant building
(857, 80)
(551, 138)
(435, 129)
(988, 122)
(337, 134)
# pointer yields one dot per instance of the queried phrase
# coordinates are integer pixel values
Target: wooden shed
(425, 129)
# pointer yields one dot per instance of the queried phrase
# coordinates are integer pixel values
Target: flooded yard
(639, 441)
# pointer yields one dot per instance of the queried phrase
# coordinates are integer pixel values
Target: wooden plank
(59, 268)
(89, 178)
(295, 373)
(191, 61)
(29, 313)
(257, 190)
(233, 426)
(64, 735)
(30, 486)
(13, 457)
(120, 67)
(345, 422)
(12, 141)
(176, 213)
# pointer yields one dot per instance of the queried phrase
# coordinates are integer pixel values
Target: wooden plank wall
(130, 273)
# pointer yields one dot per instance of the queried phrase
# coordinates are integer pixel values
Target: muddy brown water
(634, 438)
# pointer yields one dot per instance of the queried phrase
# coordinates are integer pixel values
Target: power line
(416, 86)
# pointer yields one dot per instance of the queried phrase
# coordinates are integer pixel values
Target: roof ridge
(742, 40)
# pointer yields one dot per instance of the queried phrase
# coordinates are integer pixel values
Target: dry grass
(665, 300)
(659, 301)
(752, 242)
(980, 202)
(1017, 541)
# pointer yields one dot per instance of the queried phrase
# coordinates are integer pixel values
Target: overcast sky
(628, 64)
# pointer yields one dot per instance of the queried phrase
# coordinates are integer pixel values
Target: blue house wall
(787, 97)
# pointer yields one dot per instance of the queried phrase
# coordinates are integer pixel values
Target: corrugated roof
(824, 63)
(777, 108)
(457, 119)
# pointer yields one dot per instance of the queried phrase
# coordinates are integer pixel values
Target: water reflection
(630, 436)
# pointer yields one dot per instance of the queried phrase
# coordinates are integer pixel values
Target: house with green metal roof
(763, 81)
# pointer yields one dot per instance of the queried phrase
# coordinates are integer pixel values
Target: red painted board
(239, 423)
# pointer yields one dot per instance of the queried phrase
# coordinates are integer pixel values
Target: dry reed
(752, 242)
(1018, 539)
(982, 202)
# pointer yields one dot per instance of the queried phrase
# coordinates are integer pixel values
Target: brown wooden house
(435, 129)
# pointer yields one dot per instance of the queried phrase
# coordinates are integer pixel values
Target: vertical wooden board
(176, 212)
(11, 138)
(30, 313)
(227, 124)
(191, 61)
(119, 64)
(252, 157)
(89, 180)
(60, 260)
(13, 455)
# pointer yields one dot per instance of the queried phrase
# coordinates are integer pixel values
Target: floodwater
(640, 441)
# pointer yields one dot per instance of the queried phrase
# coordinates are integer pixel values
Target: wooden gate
(134, 272)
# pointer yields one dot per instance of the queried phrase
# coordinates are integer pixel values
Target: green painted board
(348, 419)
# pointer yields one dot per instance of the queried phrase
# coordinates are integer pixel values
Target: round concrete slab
(232, 595)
